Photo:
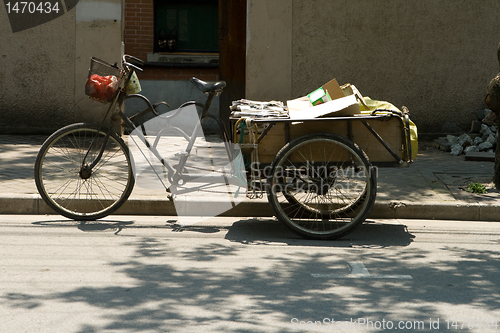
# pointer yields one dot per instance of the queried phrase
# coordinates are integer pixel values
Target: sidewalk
(431, 188)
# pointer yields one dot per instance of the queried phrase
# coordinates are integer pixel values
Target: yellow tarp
(383, 105)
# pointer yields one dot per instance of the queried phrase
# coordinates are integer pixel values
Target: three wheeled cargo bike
(319, 173)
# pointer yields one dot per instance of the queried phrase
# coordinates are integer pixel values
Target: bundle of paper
(256, 109)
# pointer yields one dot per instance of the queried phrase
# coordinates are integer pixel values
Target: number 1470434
(24, 7)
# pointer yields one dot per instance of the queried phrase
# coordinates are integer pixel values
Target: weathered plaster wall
(269, 50)
(36, 74)
(43, 69)
(434, 56)
(99, 33)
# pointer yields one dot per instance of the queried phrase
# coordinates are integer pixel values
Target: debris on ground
(482, 137)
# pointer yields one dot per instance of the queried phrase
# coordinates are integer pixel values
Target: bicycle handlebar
(132, 58)
(128, 64)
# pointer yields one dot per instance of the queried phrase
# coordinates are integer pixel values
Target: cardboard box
(390, 130)
(340, 104)
(350, 89)
(333, 89)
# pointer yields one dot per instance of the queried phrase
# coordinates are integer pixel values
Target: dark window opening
(188, 26)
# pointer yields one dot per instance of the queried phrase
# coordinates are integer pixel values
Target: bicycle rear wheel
(322, 186)
(77, 194)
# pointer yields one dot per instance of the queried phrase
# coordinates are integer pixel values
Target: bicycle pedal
(171, 197)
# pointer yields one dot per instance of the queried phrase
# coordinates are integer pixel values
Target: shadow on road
(259, 231)
(370, 234)
(211, 285)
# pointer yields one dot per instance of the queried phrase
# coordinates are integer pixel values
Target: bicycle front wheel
(68, 187)
(322, 186)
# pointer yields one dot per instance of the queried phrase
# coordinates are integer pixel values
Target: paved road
(147, 274)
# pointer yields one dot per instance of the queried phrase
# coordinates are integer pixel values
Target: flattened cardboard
(340, 105)
(344, 106)
(298, 104)
(350, 89)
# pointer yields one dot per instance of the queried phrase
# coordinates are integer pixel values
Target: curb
(459, 211)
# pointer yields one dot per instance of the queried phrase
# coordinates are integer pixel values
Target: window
(186, 26)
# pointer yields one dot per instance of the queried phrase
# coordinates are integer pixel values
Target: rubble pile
(482, 137)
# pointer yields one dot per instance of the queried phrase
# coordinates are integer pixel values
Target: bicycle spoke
(79, 193)
(320, 192)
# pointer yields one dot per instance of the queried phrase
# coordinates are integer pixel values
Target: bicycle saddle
(207, 87)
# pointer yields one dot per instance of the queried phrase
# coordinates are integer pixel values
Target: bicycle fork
(86, 168)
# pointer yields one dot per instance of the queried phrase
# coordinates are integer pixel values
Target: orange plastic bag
(102, 88)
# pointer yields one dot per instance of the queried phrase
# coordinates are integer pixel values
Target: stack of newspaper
(245, 108)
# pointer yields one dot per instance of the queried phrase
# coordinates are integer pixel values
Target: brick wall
(139, 41)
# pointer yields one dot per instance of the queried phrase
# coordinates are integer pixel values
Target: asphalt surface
(229, 274)
(433, 187)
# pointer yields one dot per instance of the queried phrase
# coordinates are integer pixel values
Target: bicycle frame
(174, 174)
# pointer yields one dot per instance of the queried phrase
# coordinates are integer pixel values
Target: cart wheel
(322, 186)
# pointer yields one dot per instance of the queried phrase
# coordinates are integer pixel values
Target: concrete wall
(434, 56)
(269, 50)
(37, 74)
(43, 68)
(99, 33)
